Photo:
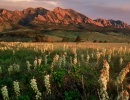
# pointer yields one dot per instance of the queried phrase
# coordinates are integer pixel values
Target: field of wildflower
(64, 71)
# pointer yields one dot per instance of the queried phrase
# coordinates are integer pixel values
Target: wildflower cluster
(35, 62)
(14, 68)
(39, 60)
(87, 58)
(16, 88)
(120, 61)
(13, 52)
(55, 59)
(92, 55)
(28, 65)
(104, 52)
(64, 60)
(35, 88)
(5, 93)
(122, 74)
(106, 67)
(47, 83)
(109, 57)
(60, 61)
(75, 61)
(124, 95)
(98, 55)
(103, 79)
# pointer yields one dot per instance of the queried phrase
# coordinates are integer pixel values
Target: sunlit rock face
(112, 23)
(56, 16)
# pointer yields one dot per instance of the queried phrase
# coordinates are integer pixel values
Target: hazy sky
(108, 9)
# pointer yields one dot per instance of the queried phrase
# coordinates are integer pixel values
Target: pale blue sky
(108, 9)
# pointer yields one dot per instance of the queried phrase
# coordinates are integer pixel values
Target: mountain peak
(57, 16)
(3, 11)
(29, 8)
(58, 9)
(112, 23)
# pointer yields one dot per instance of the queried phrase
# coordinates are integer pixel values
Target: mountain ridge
(36, 16)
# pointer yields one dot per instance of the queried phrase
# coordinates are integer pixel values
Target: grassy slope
(57, 35)
(90, 36)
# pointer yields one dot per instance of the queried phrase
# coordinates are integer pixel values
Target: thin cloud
(18, 0)
(51, 3)
(23, 4)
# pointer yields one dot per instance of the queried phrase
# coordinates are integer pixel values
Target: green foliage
(57, 76)
(23, 97)
(66, 82)
(64, 35)
(72, 95)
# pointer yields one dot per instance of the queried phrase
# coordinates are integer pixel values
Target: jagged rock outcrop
(8, 18)
(66, 16)
(112, 23)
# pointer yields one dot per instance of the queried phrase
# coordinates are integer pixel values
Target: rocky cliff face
(66, 16)
(57, 16)
(113, 23)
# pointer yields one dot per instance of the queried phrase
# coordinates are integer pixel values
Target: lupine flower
(104, 52)
(75, 61)
(109, 58)
(35, 88)
(39, 61)
(122, 74)
(64, 60)
(92, 55)
(56, 58)
(120, 61)
(46, 59)
(16, 88)
(124, 95)
(28, 65)
(65, 53)
(16, 67)
(10, 69)
(103, 79)
(35, 63)
(106, 68)
(60, 61)
(5, 93)
(88, 57)
(47, 83)
(13, 52)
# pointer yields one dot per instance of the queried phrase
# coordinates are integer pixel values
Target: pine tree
(64, 39)
(78, 39)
